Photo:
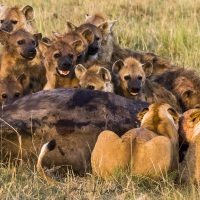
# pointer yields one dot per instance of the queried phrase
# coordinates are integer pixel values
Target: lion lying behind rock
(151, 150)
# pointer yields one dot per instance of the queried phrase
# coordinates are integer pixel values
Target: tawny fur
(190, 131)
(86, 37)
(15, 18)
(11, 88)
(16, 59)
(94, 42)
(151, 150)
(60, 70)
(95, 76)
(132, 83)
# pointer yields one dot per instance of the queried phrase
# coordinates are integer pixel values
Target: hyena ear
(80, 70)
(111, 24)
(174, 114)
(57, 35)
(88, 35)
(29, 13)
(148, 68)
(22, 79)
(71, 26)
(104, 74)
(117, 66)
(38, 37)
(78, 46)
(4, 36)
(187, 94)
(44, 44)
(142, 113)
(104, 28)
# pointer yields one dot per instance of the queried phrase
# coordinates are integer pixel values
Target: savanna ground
(169, 28)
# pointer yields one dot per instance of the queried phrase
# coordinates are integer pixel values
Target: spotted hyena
(132, 82)
(95, 76)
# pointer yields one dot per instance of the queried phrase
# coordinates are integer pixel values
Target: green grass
(166, 27)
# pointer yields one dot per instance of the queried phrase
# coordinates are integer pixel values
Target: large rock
(74, 118)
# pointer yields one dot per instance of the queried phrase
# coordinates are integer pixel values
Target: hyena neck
(106, 50)
(12, 58)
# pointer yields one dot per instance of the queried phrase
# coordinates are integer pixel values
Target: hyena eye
(127, 77)
(90, 87)
(71, 56)
(140, 78)
(57, 55)
(14, 21)
(20, 42)
(97, 38)
(33, 42)
(17, 94)
(2, 21)
(4, 96)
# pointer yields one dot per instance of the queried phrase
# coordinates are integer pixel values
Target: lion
(151, 150)
(189, 131)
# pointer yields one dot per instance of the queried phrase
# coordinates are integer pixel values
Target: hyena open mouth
(133, 93)
(62, 72)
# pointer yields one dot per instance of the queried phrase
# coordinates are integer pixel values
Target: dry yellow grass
(168, 28)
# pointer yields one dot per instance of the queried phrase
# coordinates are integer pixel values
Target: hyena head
(73, 36)
(20, 43)
(187, 95)
(131, 74)
(94, 77)
(11, 88)
(60, 57)
(15, 18)
(94, 35)
(95, 19)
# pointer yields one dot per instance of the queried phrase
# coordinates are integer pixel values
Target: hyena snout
(65, 65)
(29, 53)
(8, 27)
(134, 87)
(93, 48)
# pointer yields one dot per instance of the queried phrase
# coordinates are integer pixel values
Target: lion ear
(142, 113)
(174, 114)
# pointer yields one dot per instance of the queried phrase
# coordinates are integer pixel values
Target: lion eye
(127, 77)
(14, 21)
(4, 96)
(57, 55)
